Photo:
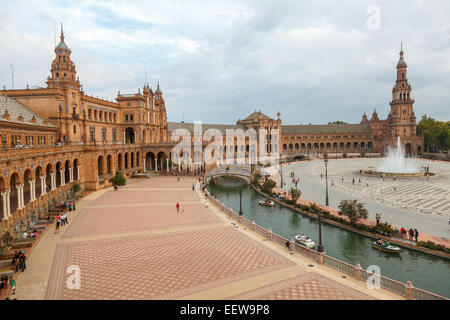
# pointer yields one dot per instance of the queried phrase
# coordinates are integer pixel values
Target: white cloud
(312, 61)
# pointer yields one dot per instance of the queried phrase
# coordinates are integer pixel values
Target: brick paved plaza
(132, 244)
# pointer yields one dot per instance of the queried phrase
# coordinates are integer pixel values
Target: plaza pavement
(132, 244)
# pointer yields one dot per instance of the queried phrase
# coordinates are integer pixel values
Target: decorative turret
(63, 69)
(364, 118)
(374, 116)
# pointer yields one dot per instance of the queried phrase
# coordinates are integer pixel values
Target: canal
(425, 271)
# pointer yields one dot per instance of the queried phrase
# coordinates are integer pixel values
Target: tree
(295, 193)
(268, 186)
(436, 133)
(255, 178)
(337, 122)
(119, 178)
(353, 210)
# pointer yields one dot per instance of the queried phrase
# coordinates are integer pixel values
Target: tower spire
(62, 33)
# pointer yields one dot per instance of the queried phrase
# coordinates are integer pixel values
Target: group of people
(4, 284)
(19, 261)
(295, 181)
(66, 205)
(61, 220)
(413, 233)
(383, 243)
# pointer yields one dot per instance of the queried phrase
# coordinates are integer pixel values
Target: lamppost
(281, 174)
(326, 179)
(240, 202)
(320, 247)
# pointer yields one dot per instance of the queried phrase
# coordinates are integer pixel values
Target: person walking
(13, 286)
(353, 181)
(58, 222)
(416, 234)
(411, 233)
(178, 207)
(22, 262)
(193, 187)
(178, 178)
(342, 179)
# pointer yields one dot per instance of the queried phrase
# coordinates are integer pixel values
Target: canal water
(426, 272)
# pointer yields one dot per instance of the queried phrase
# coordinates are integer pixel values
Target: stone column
(32, 191)
(124, 139)
(53, 186)
(409, 290)
(43, 186)
(145, 165)
(8, 198)
(20, 197)
(320, 257)
(5, 195)
(78, 172)
(71, 174)
(156, 165)
(63, 178)
(167, 161)
(358, 272)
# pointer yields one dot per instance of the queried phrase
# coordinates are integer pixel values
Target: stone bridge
(240, 171)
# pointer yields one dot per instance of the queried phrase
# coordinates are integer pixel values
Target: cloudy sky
(217, 61)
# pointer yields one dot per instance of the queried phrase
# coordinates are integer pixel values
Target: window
(131, 117)
(74, 129)
(126, 117)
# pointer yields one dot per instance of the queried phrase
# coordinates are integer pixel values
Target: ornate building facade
(56, 136)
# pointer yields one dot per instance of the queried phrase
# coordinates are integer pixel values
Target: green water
(426, 272)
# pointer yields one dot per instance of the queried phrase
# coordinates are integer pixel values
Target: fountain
(396, 164)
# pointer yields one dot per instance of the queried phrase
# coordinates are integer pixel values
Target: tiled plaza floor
(308, 286)
(132, 244)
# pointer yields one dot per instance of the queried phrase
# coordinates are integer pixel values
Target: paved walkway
(133, 244)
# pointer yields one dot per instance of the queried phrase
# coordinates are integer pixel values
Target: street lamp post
(320, 247)
(281, 174)
(240, 202)
(326, 179)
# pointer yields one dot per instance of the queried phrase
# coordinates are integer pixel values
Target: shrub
(268, 186)
(353, 210)
(291, 202)
(344, 155)
(76, 187)
(119, 178)
(314, 208)
(384, 227)
(295, 193)
(433, 246)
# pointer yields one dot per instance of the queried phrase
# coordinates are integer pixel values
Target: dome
(62, 45)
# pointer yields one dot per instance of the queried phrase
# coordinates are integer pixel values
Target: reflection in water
(425, 271)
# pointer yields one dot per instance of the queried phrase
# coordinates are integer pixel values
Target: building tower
(402, 121)
(63, 69)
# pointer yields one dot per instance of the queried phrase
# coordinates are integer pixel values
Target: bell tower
(402, 120)
(63, 69)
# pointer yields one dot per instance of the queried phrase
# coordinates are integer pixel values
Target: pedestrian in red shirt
(178, 207)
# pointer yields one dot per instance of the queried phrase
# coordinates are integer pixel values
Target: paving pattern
(308, 286)
(161, 266)
(430, 196)
(132, 244)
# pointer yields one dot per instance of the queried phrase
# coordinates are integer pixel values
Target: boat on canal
(266, 202)
(388, 248)
(304, 241)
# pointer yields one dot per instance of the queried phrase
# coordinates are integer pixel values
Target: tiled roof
(326, 128)
(16, 109)
(256, 115)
